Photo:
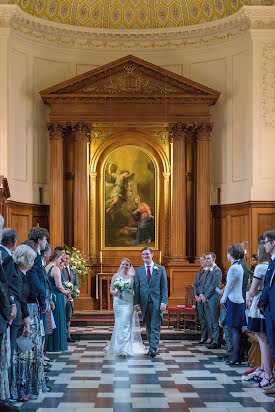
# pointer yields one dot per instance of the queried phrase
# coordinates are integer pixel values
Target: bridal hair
(127, 260)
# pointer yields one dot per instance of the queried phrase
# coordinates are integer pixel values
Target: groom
(151, 297)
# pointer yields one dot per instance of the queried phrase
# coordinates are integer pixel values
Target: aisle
(184, 377)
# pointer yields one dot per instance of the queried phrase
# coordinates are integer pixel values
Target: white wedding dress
(126, 338)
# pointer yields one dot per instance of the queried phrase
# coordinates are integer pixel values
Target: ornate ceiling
(132, 14)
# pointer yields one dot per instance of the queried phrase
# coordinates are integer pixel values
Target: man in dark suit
(199, 304)
(8, 313)
(69, 274)
(267, 299)
(211, 299)
(14, 279)
(5, 308)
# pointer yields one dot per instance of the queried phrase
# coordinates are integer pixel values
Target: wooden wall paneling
(23, 216)
(179, 278)
(240, 222)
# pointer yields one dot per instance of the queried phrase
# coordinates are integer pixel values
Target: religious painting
(129, 199)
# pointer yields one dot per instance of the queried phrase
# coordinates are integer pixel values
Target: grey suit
(211, 281)
(200, 305)
(149, 297)
(69, 303)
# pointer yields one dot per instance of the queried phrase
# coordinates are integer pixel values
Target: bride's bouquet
(122, 286)
(74, 291)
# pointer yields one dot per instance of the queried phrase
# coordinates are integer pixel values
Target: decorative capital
(178, 131)
(82, 130)
(203, 131)
(56, 130)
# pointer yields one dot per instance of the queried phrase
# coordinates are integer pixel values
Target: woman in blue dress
(57, 341)
(233, 298)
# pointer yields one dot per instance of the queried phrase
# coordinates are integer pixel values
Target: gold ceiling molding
(63, 35)
(132, 14)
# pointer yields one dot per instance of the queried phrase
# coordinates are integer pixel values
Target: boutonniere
(211, 269)
(156, 268)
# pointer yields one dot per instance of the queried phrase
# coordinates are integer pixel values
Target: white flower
(156, 268)
(77, 291)
(70, 285)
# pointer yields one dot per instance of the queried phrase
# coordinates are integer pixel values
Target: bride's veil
(136, 332)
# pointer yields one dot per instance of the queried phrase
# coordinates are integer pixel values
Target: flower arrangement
(78, 263)
(122, 286)
(74, 291)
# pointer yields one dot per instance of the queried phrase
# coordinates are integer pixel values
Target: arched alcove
(132, 102)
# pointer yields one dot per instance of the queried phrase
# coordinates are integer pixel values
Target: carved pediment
(129, 77)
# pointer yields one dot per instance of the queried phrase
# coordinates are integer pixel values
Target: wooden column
(56, 185)
(81, 225)
(203, 188)
(178, 195)
(93, 206)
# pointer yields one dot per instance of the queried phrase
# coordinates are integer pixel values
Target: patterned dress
(27, 369)
(4, 366)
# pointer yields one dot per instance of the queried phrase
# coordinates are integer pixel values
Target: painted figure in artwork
(146, 227)
(118, 187)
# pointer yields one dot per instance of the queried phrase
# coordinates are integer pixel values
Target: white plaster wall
(226, 67)
(3, 103)
(263, 183)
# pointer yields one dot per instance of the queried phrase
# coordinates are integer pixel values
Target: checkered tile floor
(184, 377)
(103, 329)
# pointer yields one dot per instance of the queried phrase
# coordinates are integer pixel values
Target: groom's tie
(148, 274)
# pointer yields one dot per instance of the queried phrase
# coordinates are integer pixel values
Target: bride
(126, 338)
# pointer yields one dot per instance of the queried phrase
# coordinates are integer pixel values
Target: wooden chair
(189, 314)
(174, 312)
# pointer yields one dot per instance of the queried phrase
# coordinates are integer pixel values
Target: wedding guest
(45, 254)
(5, 308)
(7, 315)
(57, 341)
(36, 274)
(14, 279)
(256, 320)
(8, 243)
(199, 304)
(245, 274)
(254, 262)
(69, 274)
(60, 249)
(27, 370)
(233, 298)
(47, 318)
(267, 299)
(210, 298)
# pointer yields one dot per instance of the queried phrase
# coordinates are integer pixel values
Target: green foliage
(78, 263)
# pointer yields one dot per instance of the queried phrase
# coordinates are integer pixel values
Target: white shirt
(234, 283)
(151, 267)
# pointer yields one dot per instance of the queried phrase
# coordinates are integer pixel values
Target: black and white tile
(183, 377)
